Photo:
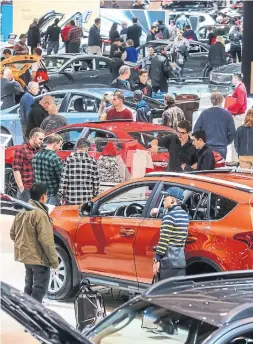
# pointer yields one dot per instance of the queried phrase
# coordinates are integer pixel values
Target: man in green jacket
(32, 233)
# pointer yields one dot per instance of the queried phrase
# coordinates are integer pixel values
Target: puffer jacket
(143, 113)
(244, 141)
(32, 233)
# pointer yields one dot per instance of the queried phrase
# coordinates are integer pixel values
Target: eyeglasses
(181, 132)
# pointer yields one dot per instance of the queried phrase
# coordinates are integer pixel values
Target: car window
(146, 137)
(136, 196)
(194, 48)
(82, 103)
(70, 137)
(153, 104)
(202, 33)
(53, 64)
(245, 337)
(58, 99)
(220, 207)
(102, 64)
(201, 19)
(94, 134)
(203, 49)
(82, 65)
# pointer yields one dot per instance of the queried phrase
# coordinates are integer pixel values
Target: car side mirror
(86, 208)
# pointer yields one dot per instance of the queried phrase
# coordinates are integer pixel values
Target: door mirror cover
(86, 208)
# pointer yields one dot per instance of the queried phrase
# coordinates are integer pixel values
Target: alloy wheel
(10, 183)
(57, 276)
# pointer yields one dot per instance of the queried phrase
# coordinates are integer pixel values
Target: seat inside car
(79, 105)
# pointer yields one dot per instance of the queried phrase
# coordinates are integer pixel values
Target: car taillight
(4, 197)
(246, 237)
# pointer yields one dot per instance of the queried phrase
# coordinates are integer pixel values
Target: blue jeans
(52, 46)
(53, 199)
(220, 149)
(24, 196)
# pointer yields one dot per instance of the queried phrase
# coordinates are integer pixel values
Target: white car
(197, 19)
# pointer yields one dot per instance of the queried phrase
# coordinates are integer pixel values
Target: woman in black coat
(114, 33)
(116, 63)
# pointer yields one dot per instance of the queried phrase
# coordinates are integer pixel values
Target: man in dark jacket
(217, 53)
(116, 46)
(33, 39)
(9, 88)
(205, 154)
(53, 36)
(159, 71)
(143, 113)
(189, 33)
(134, 32)
(38, 113)
(122, 81)
(142, 83)
(94, 40)
(152, 33)
(163, 29)
(116, 63)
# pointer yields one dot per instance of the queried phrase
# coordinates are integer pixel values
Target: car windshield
(54, 63)
(146, 137)
(153, 104)
(143, 322)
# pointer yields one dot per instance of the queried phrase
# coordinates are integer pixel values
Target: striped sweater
(174, 230)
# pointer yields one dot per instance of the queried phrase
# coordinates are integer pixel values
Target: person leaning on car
(169, 259)
(32, 233)
(94, 40)
(22, 163)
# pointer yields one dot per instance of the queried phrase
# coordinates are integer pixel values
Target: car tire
(44, 89)
(60, 284)
(10, 186)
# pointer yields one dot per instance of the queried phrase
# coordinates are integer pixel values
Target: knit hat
(138, 95)
(175, 192)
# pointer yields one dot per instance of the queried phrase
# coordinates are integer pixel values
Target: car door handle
(127, 232)
(94, 76)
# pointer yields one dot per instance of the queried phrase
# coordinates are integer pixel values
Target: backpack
(89, 307)
(41, 74)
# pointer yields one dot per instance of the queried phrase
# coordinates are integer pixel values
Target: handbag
(173, 259)
(41, 74)
(89, 307)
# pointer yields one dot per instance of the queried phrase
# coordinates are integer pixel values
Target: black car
(202, 6)
(219, 30)
(209, 309)
(220, 78)
(196, 61)
(77, 71)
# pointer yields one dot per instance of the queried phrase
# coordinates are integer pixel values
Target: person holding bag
(169, 259)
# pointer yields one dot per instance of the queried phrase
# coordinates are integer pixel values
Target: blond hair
(248, 122)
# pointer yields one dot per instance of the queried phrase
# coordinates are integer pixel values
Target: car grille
(219, 78)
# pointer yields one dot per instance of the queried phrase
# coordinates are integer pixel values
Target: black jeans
(74, 47)
(36, 281)
(162, 89)
(236, 52)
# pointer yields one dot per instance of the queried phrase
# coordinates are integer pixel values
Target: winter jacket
(33, 35)
(25, 106)
(114, 47)
(8, 91)
(131, 54)
(134, 32)
(244, 141)
(150, 36)
(190, 34)
(35, 117)
(53, 33)
(217, 55)
(120, 84)
(145, 88)
(143, 113)
(65, 33)
(240, 106)
(94, 36)
(218, 125)
(32, 233)
(158, 72)
(115, 65)
(113, 35)
(164, 30)
(235, 38)
(206, 160)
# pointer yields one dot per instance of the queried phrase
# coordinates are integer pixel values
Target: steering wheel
(120, 211)
(133, 209)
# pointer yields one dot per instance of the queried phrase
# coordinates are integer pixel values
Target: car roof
(217, 298)
(124, 125)
(238, 180)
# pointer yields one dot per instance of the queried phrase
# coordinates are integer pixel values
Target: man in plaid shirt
(48, 167)
(22, 164)
(79, 179)
(74, 35)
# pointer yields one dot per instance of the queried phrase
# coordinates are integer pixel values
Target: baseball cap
(175, 192)
(138, 95)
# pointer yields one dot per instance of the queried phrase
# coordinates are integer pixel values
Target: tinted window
(102, 64)
(70, 137)
(194, 48)
(84, 103)
(54, 63)
(80, 66)
(58, 99)
(220, 207)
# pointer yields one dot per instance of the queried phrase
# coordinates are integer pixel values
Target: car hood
(44, 324)
(229, 69)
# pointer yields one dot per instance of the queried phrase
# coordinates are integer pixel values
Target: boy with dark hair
(205, 154)
(142, 83)
(32, 233)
